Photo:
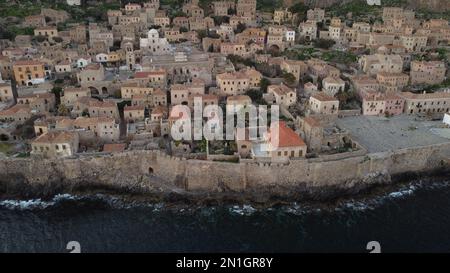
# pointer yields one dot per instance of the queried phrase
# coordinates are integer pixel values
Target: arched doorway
(94, 91)
(104, 90)
(274, 49)
(150, 170)
(4, 137)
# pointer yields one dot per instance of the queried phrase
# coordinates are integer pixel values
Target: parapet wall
(152, 170)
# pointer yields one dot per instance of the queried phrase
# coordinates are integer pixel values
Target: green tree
(263, 84)
(323, 43)
(63, 110)
(288, 78)
(299, 8)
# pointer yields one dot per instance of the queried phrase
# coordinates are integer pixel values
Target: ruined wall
(152, 170)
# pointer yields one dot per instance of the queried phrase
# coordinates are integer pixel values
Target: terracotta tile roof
(55, 137)
(178, 87)
(15, 109)
(373, 96)
(323, 97)
(204, 96)
(286, 136)
(28, 62)
(102, 104)
(37, 95)
(239, 98)
(92, 66)
(159, 110)
(159, 92)
(134, 108)
(280, 89)
(436, 95)
(83, 122)
(333, 80)
(312, 121)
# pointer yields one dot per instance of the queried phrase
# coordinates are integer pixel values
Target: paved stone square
(378, 134)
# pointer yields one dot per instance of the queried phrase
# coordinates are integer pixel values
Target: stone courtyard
(379, 134)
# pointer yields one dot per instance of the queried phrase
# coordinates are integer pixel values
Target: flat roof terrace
(379, 134)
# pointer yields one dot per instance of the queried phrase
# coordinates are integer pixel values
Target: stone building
(373, 103)
(284, 143)
(332, 85)
(251, 34)
(364, 82)
(283, 95)
(154, 78)
(154, 44)
(91, 129)
(39, 102)
(56, 16)
(48, 31)
(181, 21)
(91, 74)
(239, 100)
(321, 103)
(134, 113)
(281, 16)
(132, 89)
(182, 66)
(246, 8)
(107, 109)
(72, 94)
(6, 92)
(392, 82)
(56, 144)
(438, 102)
(373, 64)
(316, 14)
(297, 68)
(414, 42)
(34, 21)
(221, 7)
(29, 72)
(18, 113)
(6, 70)
(193, 10)
(78, 34)
(308, 30)
(180, 93)
(63, 67)
(423, 72)
(205, 100)
(394, 104)
(236, 83)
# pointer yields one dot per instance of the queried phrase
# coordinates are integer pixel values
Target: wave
(115, 202)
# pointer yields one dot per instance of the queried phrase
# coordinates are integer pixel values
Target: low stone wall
(156, 171)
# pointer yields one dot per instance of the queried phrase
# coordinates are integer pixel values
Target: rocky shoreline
(18, 188)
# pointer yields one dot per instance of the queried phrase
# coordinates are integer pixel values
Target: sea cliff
(156, 174)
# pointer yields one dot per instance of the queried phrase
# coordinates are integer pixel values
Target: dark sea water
(413, 218)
